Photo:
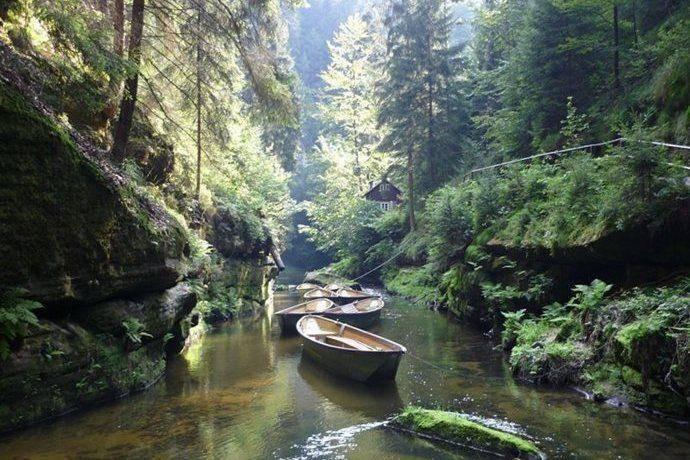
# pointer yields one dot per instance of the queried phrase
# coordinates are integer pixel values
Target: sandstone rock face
(62, 366)
(158, 313)
(70, 232)
(237, 237)
(76, 236)
(101, 257)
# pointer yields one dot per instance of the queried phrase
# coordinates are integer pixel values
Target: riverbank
(629, 349)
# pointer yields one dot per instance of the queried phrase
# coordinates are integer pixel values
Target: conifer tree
(421, 98)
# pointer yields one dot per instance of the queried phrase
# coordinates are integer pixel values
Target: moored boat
(347, 295)
(341, 296)
(360, 313)
(304, 287)
(319, 293)
(289, 316)
(348, 351)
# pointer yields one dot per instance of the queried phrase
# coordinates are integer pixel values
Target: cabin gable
(386, 194)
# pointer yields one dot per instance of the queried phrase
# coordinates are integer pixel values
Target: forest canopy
(429, 101)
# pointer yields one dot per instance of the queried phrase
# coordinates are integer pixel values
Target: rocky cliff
(106, 266)
(101, 259)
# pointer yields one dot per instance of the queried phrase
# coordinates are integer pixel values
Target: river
(244, 392)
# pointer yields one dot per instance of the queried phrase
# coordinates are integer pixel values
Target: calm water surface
(244, 391)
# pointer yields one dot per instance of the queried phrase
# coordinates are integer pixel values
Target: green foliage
(16, 315)
(638, 344)
(422, 97)
(134, 331)
(415, 283)
(218, 302)
(574, 126)
(511, 326)
(589, 298)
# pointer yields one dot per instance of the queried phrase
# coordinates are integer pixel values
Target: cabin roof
(373, 193)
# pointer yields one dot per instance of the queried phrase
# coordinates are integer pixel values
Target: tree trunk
(430, 112)
(634, 22)
(129, 99)
(198, 106)
(117, 13)
(616, 51)
(410, 189)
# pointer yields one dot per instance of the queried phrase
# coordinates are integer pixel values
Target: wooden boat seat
(350, 343)
(349, 308)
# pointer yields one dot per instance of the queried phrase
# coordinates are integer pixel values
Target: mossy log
(455, 429)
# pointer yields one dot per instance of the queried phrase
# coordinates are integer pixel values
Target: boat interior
(313, 306)
(359, 306)
(351, 293)
(318, 292)
(333, 287)
(343, 336)
(307, 287)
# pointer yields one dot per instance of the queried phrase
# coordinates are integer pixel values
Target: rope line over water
(379, 266)
(619, 140)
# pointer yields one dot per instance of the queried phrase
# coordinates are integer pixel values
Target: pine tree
(421, 98)
(349, 104)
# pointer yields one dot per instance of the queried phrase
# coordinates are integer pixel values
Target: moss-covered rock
(238, 235)
(240, 288)
(158, 313)
(454, 428)
(79, 237)
(73, 231)
(153, 155)
(62, 367)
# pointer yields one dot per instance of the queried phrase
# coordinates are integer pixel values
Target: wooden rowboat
(318, 293)
(304, 287)
(341, 296)
(289, 316)
(361, 313)
(348, 351)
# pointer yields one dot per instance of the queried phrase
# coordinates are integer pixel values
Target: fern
(134, 330)
(16, 314)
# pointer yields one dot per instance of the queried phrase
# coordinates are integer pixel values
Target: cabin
(387, 195)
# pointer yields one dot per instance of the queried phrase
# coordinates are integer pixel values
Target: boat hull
(362, 320)
(288, 322)
(363, 367)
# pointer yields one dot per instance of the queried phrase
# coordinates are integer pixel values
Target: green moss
(75, 229)
(454, 428)
(416, 283)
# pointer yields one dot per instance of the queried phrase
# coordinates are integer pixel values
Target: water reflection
(365, 400)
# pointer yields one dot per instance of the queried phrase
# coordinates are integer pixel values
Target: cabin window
(385, 187)
(385, 206)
